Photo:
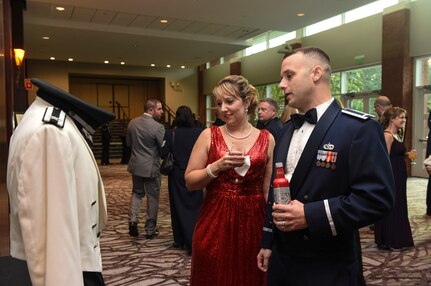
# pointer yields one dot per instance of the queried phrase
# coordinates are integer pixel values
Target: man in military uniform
(339, 182)
(57, 199)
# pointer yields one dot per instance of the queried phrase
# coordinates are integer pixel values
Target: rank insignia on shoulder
(54, 116)
(357, 114)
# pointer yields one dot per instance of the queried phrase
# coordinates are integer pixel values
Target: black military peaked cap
(73, 106)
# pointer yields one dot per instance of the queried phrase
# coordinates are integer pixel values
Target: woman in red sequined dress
(234, 163)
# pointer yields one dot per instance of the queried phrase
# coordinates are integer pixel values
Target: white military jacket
(57, 200)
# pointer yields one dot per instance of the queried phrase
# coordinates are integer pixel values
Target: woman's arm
(268, 167)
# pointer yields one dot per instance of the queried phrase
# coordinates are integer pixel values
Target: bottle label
(282, 195)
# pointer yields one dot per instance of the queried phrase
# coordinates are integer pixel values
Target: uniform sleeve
(48, 209)
(370, 193)
(268, 227)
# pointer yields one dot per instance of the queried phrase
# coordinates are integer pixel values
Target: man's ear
(317, 73)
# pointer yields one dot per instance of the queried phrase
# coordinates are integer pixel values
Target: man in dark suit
(339, 182)
(145, 137)
(267, 112)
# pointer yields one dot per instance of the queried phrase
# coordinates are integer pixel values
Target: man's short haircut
(316, 53)
(271, 102)
(150, 103)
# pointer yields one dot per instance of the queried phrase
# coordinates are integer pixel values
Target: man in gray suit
(145, 137)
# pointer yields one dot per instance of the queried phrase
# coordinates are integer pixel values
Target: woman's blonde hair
(239, 87)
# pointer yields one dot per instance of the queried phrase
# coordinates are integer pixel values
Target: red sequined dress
(228, 231)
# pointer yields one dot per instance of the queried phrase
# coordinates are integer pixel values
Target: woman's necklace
(239, 138)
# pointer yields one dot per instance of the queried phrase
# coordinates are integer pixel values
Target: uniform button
(306, 197)
(305, 237)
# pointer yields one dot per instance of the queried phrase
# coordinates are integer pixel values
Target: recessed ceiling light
(70, 59)
(300, 14)
(122, 63)
(106, 62)
(168, 66)
(183, 67)
(163, 21)
(52, 58)
(58, 8)
(45, 37)
(153, 65)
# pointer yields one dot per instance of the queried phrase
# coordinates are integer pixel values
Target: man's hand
(263, 259)
(289, 217)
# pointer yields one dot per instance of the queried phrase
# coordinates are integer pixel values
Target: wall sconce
(19, 58)
(176, 85)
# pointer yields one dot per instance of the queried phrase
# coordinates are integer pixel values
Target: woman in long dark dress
(184, 204)
(394, 232)
(234, 163)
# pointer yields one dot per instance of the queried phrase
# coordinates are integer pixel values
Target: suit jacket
(57, 200)
(145, 137)
(339, 199)
(274, 126)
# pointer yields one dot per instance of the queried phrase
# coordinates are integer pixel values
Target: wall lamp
(176, 85)
(19, 58)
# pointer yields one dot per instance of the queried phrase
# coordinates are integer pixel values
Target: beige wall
(57, 73)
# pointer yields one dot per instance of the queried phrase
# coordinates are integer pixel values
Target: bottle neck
(279, 172)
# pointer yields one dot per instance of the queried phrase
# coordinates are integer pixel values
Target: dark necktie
(298, 119)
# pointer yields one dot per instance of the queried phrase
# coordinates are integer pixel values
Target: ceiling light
(106, 62)
(58, 8)
(183, 67)
(52, 58)
(122, 63)
(300, 14)
(45, 37)
(153, 65)
(70, 59)
(163, 21)
(168, 66)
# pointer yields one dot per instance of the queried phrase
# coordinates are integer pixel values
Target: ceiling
(197, 31)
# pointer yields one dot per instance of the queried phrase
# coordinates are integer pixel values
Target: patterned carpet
(138, 261)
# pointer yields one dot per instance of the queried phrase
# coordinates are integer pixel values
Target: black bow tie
(298, 119)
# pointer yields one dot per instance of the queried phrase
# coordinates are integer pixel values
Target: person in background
(145, 137)
(233, 162)
(267, 111)
(287, 112)
(393, 231)
(428, 168)
(184, 205)
(218, 121)
(106, 140)
(381, 104)
(339, 182)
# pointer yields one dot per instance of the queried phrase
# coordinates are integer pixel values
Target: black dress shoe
(133, 229)
(151, 235)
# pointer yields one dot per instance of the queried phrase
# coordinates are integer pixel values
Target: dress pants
(150, 187)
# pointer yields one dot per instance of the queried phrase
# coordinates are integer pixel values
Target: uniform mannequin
(57, 199)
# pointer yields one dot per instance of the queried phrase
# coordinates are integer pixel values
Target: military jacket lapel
(309, 153)
(283, 144)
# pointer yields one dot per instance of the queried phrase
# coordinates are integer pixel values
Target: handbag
(168, 163)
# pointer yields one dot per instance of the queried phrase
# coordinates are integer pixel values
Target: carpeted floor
(138, 261)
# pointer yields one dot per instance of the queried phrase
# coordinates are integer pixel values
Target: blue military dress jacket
(344, 179)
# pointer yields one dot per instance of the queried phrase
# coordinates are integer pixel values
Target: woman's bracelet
(209, 173)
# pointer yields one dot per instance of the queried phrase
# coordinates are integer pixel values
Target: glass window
(367, 10)
(363, 80)
(279, 38)
(323, 25)
(423, 71)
